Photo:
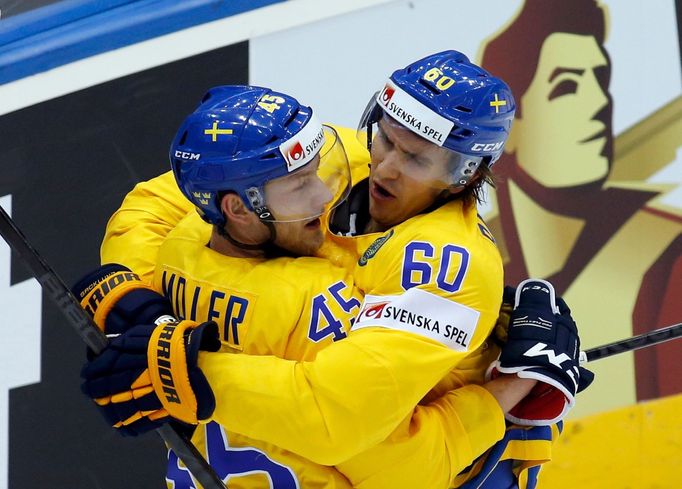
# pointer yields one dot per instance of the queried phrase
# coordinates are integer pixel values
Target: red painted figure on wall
(574, 204)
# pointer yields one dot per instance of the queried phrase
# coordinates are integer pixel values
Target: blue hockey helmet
(241, 138)
(450, 102)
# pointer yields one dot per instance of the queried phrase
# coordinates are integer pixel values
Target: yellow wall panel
(638, 447)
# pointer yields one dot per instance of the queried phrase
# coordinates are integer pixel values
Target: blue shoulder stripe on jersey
(496, 473)
(64, 32)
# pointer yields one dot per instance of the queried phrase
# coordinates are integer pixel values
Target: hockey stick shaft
(635, 343)
(60, 294)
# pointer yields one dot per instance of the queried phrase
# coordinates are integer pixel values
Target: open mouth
(315, 223)
(379, 192)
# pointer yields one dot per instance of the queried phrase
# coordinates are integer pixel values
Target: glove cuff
(205, 337)
(546, 404)
(543, 406)
(106, 294)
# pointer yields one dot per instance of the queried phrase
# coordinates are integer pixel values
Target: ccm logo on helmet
(487, 147)
(187, 156)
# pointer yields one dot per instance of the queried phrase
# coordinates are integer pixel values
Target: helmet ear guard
(463, 172)
(257, 203)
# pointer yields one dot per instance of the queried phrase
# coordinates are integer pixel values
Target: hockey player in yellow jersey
(416, 271)
(234, 309)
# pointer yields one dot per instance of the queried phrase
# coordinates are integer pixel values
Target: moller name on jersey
(423, 313)
(221, 305)
(413, 114)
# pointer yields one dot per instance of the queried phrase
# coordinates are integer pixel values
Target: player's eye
(300, 184)
(417, 160)
(383, 139)
(305, 181)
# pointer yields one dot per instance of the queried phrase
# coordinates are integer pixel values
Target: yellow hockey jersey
(258, 305)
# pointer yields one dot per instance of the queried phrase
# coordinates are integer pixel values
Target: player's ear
(234, 209)
(455, 189)
(452, 190)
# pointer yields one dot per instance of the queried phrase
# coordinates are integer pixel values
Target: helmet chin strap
(244, 246)
(268, 246)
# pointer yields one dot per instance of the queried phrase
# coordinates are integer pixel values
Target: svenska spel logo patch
(304, 146)
(372, 310)
(413, 114)
(294, 154)
(387, 94)
(423, 313)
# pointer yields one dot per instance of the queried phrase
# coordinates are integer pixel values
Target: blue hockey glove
(543, 344)
(117, 299)
(149, 374)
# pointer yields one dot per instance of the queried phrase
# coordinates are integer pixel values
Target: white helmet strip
(313, 189)
(302, 148)
(414, 115)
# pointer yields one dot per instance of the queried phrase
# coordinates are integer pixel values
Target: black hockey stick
(97, 341)
(635, 343)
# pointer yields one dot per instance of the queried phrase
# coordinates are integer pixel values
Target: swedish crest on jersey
(374, 248)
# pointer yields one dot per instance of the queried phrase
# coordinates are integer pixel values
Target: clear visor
(314, 189)
(392, 143)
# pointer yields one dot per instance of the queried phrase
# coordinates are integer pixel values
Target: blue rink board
(67, 31)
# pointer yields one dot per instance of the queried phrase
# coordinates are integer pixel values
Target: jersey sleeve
(136, 230)
(433, 445)
(349, 398)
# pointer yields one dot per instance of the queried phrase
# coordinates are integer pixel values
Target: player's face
(300, 238)
(406, 174)
(299, 198)
(563, 135)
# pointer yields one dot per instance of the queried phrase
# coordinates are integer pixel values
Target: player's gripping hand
(543, 344)
(118, 381)
(502, 324)
(150, 373)
(117, 299)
